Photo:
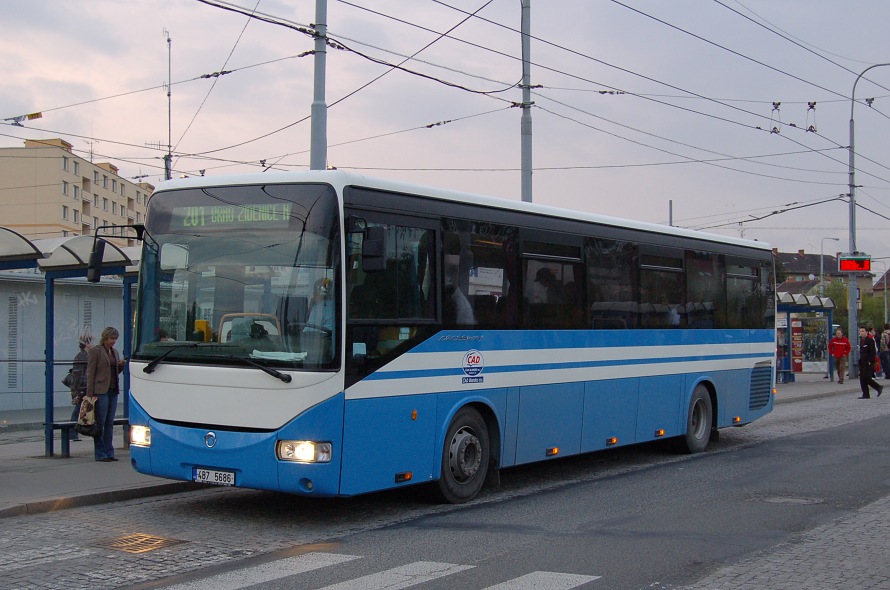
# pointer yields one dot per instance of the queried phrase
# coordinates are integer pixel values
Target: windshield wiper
(150, 367)
(268, 370)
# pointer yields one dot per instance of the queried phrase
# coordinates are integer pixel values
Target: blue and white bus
(330, 334)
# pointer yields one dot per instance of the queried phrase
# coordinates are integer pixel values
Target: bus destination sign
(219, 217)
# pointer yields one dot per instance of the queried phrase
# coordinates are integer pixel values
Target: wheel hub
(464, 455)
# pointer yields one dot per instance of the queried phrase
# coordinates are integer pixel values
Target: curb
(45, 506)
(812, 396)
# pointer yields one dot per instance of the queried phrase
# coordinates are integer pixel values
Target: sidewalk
(33, 483)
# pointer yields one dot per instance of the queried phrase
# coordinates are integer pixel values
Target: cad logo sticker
(473, 365)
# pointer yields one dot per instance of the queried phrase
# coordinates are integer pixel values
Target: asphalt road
(767, 504)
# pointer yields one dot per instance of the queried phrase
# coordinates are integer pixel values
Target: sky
(726, 116)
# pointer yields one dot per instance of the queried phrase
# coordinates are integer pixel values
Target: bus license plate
(219, 478)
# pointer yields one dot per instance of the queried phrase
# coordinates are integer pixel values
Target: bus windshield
(241, 275)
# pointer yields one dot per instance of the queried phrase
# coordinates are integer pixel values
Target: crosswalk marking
(401, 577)
(392, 579)
(267, 572)
(541, 580)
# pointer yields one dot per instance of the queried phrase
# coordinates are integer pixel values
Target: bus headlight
(140, 436)
(304, 451)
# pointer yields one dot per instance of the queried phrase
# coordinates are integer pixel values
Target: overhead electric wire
(793, 41)
(242, 11)
(771, 214)
(798, 38)
(215, 79)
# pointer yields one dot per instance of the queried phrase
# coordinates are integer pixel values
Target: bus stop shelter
(791, 303)
(63, 258)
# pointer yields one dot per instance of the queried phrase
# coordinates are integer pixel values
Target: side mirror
(374, 249)
(94, 268)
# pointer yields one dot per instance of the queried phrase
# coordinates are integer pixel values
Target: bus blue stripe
(461, 340)
(428, 373)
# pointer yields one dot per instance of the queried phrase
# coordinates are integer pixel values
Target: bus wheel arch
(467, 453)
(700, 419)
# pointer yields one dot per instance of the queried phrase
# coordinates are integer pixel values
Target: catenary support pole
(526, 120)
(318, 148)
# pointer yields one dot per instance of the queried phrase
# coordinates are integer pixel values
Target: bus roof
(340, 179)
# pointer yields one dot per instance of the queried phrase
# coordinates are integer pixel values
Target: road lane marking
(548, 580)
(267, 572)
(401, 577)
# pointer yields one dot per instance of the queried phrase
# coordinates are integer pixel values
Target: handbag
(86, 419)
(68, 380)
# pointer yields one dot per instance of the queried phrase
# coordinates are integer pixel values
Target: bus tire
(698, 422)
(465, 457)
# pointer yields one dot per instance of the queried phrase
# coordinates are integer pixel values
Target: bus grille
(761, 387)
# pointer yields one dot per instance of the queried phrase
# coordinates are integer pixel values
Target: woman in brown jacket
(103, 368)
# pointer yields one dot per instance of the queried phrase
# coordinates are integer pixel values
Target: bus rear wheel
(465, 457)
(698, 422)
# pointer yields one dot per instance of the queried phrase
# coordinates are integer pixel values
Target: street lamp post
(822, 265)
(854, 284)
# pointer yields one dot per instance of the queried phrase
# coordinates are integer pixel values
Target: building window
(95, 200)
(113, 208)
(123, 190)
(76, 167)
(96, 176)
(64, 211)
(138, 217)
(64, 188)
(76, 216)
(113, 185)
(65, 163)
(104, 181)
(76, 192)
(105, 204)
(95, 222)
(138, 197)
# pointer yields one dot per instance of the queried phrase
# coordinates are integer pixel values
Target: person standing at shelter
(79, 377)
(839, 347)
(868, 352)
(104, 366)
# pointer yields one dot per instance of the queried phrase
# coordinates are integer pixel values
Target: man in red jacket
(839, 348)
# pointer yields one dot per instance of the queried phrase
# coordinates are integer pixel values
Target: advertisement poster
(796, 346)
(815, 344)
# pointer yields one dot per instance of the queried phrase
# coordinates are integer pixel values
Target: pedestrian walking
(868, 352)
(103, 368)
(839, 347)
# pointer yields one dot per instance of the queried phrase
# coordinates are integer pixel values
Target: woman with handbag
(104, 366)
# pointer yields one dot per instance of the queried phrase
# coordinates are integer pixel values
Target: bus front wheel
(698, 422)
(465, 457)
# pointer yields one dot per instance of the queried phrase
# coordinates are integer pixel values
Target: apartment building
(46, 191)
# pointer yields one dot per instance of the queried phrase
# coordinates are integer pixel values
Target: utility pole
(853, 287)
(526, 120)
(318, 147)
(168, 159)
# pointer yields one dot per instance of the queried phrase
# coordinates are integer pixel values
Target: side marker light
(611, 441)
